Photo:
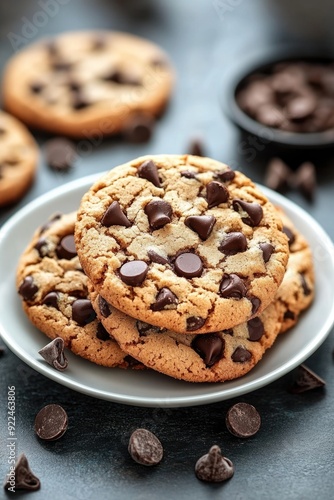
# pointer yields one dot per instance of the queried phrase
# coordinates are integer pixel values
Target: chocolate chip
(256, 302)
(201, 224)
(59, 65)
(196, 147)
(2, 351)
(116, 76)
(74, 85)
(80, 101)
(243, 420)
(139, 129)
(101, 332)
(305, 180)
(224, 175)
(253, 210)
(216, 193)
(148, 170)
(213, 467)
(164, 299)
(143, 328)
(99, 42)
(25, 479)
(51, 422)
(66, 248)
(305, 380)
(188, 265)
(290, 235)
(289, 315)
(267, 250)
(232, 287)
(195, 323)
(83, 312)
(188, 174)
(50, 222)
(51, 300)
(134, 272)
(132, 362)
(41, 246)
(60, 154)
(104, 307)
(210, 347)
(278, 175)
(36, 87)
(28, 288)
(233, 243)
(115, 216)
(255, 329)
(145, 448)
(54, 355)
(155, 257)
(159, 213)
(241, 355)
(306, 288)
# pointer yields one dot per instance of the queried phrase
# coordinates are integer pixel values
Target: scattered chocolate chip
(289, 315)
(101, 332)
(256, 302)
(51, 300)
(201, 224)
(148, 170)
(139, 129)
(155, 257)
(60, 154)
(134, 272)
(195, 323)
(278, 175)
(36, 87)
(188, 174)
(224, 175)
(255, 329)
(115, 216)
(104, 307)
(210, 347)
(241, 355)
(50, 222)
(253, 210)
(41, 246)
(83, 312)
(188, 265)
(232, 287)
(54, 355)
(159, 213)
(66, 248)
(213, 467)
(229, 332)
(25, 479)
(2, 350)
(290, 235)
(216, 193)
(243, 420)
(164, 299)
(306, 288)
(233, 243)
(196, 147)
(51, 422)
(267, 250)
(305, 380)
(305, 180)
(145, 448)
(28, 288)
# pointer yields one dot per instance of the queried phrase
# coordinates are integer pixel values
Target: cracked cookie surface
(181, 242)
(55, 298)
(18, 159)
(88, 84)
(222, 355)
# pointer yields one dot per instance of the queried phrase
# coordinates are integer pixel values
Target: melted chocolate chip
(159, 213)
(188, 265)
(252, 209)
(224, 175)
(132, 362)
(66, 248)
(256, 302)
(290, 235)
(213, 467)
(305, 286)
(51, 422)
(104, 307)
(232, 287)
(117, 76)
(195, 323)
(216, 193)
(53, 353)
(36, 87)
(145, 328)
(289, 315)
(134, 272)
(83, 312)
(210, 347)
(24, 477)
(164, 298)
(201, 224)
(267, 250)
(155, 257)
(233, 243)
(51, 300)
(40, 246)
(101, 333)
(114, 216)
(148, 170)
(255, 329)
(188, 174)
(28, 288)
(241, 355)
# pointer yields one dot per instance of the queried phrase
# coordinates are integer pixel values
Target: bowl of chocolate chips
(288, 101)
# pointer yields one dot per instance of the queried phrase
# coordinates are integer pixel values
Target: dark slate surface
(292, 455)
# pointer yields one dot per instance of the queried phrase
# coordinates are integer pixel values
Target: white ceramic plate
(146, 388)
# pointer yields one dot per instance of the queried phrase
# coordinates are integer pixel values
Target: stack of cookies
(178, 264)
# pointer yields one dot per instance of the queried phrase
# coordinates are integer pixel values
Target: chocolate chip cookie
(18, 159)
(181, 242)
(88, 84)
(222, 355)
(54, 294)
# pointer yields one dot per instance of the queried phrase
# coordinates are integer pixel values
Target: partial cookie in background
(54, 295)
(18, 159)
(88, 84)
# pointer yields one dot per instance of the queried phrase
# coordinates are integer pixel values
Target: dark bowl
(263, 64)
